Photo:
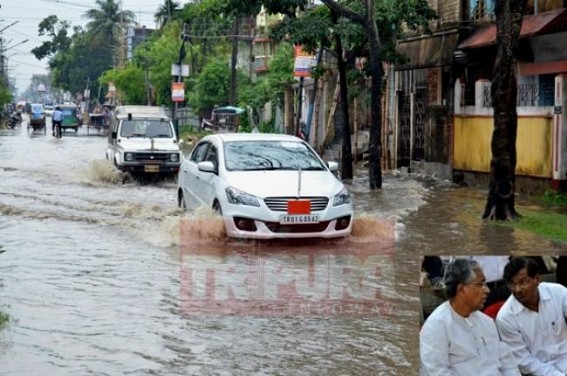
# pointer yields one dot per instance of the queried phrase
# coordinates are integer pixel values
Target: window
(480, 10)
(198, 155)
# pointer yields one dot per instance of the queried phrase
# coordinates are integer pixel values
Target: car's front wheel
(217, 208)
(181, 201)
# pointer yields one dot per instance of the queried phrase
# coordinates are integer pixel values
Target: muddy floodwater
(104, 275)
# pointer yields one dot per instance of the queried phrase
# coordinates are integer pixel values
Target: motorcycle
(15, 120)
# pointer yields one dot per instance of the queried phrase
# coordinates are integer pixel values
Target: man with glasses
(458, 339)
(533, 320)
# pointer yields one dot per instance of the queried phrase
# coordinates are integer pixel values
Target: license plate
(151, 168)
(298, 219)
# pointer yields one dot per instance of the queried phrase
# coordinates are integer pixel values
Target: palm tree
(109, 21)
(166, 12)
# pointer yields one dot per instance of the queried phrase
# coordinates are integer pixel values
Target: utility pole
(232, 98)
(179, 77)
(146, 70)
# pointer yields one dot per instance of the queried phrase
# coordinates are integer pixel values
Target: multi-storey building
(442, 117)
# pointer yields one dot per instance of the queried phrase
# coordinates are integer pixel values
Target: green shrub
(555, 198)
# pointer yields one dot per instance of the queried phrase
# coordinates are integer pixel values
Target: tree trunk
(375, 141)
(500, 201)
(346, 152)
(368, 21)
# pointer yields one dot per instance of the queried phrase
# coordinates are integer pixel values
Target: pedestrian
(533, 320)
(56, 120)
(458, 339)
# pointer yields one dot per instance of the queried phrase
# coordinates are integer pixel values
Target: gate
(419, 124)
(412, 119)
(404, 129)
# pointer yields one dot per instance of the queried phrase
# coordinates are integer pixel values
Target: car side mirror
(206, 166)
(333, 166)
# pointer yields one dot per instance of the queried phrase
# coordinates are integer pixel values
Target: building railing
(529, 95)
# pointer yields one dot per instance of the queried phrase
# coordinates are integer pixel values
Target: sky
(27, 14)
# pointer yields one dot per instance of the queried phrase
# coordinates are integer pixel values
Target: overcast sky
(22, 64)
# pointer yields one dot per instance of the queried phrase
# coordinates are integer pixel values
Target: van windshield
(146, 128)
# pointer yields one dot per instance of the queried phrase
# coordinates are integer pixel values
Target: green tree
(80, 65)
(5, 95)
(413, 15)
(500, 204)
(166, 12)
(129, 83)
(58, 31)
(211, 86)
(107, 22)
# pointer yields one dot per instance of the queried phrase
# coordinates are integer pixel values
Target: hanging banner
(304, 62)
(177, 91)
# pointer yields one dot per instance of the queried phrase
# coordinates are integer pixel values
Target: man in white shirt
(533, 320)
(56, 120)
(458, 339)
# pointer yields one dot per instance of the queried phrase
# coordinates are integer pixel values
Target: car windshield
(270, 155)
(146, 128)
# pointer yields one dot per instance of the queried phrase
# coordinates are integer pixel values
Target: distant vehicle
(223, 119)
(48, 110)
(70, 118)
(37, 115)
(266, 186)
(142, 140)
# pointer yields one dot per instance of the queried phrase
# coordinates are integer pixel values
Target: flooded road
(104, 277)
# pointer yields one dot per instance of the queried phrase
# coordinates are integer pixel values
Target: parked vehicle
(223, 119)
(37, 116)
(266, 186)
(15, 120)
(142, 139)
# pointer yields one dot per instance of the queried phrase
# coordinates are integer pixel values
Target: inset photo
(493, 315)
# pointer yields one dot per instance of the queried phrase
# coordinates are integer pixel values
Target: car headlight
(341, 198)
(129, 157)
(174, 157)
(237, 197)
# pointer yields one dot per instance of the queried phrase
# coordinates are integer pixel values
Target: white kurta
(453, 345)
(537, 339)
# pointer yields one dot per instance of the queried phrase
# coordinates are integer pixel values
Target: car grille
(302, 228)
(154, 157)
(280, 203)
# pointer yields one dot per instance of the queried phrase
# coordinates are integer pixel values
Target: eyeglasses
(521, 283)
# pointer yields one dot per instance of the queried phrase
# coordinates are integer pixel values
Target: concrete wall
(533, 145)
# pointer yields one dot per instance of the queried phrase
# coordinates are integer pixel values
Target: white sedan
(266, 186)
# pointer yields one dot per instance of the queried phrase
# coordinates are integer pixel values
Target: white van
(142, 139)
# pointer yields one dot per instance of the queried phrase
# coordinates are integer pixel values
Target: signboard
(111, 87)
(303, 63)
(184, 70)
(177, 91)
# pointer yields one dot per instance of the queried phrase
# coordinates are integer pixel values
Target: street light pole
(179, 78)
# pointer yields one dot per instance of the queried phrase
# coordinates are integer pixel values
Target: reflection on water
(450, 224)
